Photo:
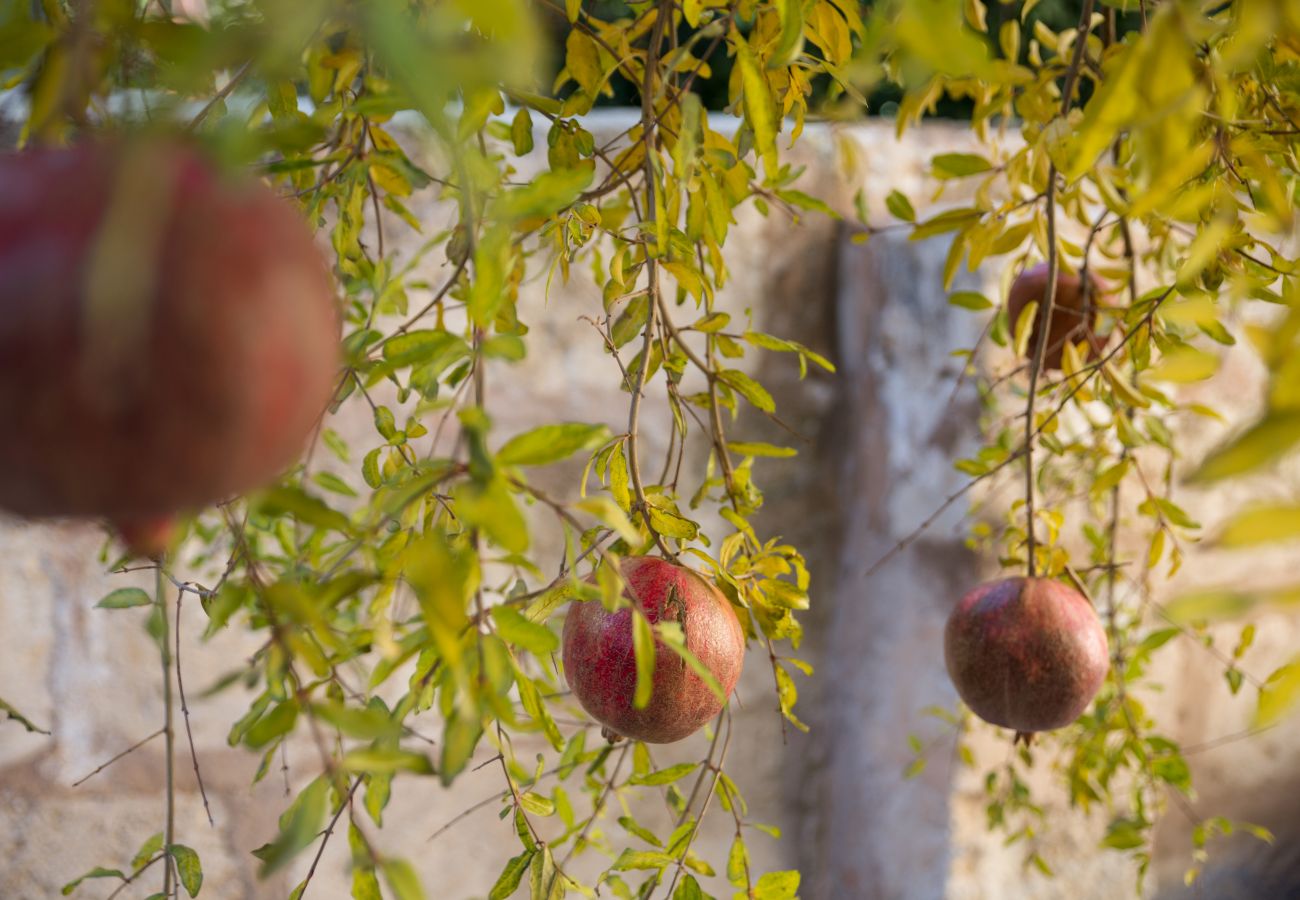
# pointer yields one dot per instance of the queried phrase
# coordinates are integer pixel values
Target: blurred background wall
(875, 461)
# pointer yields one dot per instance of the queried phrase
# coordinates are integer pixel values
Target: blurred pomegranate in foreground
(600, 664)
(1074, 316)
(168, 332)
(1026, 653)
(148, 537)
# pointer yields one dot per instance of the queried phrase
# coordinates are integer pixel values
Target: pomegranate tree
(1074, 314)
(600, 663)
(168, 332)
(1026, 653)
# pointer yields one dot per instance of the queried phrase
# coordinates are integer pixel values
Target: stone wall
(876, 461)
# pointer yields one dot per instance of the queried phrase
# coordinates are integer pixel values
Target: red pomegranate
(148, 537)
(1074, 317)
(600, 664)
(168, 332)
(1026, 653)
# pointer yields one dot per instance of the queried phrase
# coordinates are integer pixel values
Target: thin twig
(129, 750)
(185, 710)
(220, 95)
(652, 276)
(326, 834)
(1047, 420)
(169, 735)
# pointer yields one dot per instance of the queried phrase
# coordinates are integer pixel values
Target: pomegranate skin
(148, 538)
(188, 375)
(600, 664)
(1026, 653)
(1070, 320)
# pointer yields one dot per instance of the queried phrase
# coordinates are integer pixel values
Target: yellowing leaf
(1184, 364)
(1262, 524)
(1262, 443)
(1280, 693)
(643, 646)
(759, 110)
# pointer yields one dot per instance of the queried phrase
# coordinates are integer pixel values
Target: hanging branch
(1044, 314)
(169, 835)
(652, 272)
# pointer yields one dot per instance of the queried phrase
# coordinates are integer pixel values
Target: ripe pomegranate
(600, 664)
(168, 332)
(1026, 653)
(1074, 317)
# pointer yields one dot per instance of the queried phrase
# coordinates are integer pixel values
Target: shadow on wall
(1246, 868)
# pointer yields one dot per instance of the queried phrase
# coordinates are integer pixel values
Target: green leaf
(365, 884)
(536, 804)
(899, 206)
(688, 889)
(515, 629)
(643, 646)
(277, 723)
(1125, 834)
(620, 484)
(669, 524)
(631, 859)
(1262, 443)
(381, 761)
(545, 194)
(188, 868)
(521, 127)
(460, 738)
(675, 639)
(402, 880)
(748, 388)
(1279, 694)
(97, 872)
(511, 875)
(959, 165)
(416, 348)
(715, 321)
(331, 482)
(608, 512)
(759, 108)
(491, 507)
(125, 598)
(492, 260)
(148, 850)
(665, 776)
(535, 706)
(305, 507)
(972, 300)
(298, 827)
(777, 886)
(737, 861)
(632, 826)
(551, 443)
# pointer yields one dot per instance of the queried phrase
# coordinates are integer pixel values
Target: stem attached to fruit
(652, 276)
(1049, 302)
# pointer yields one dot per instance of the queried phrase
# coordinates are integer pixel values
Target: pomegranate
(147, 537)
(600, 664)
(168, 332)
(1074, 317)
(1026, 653)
